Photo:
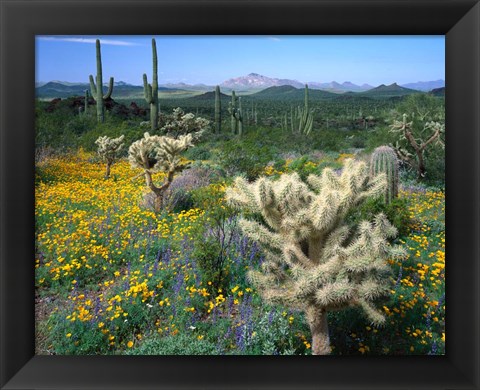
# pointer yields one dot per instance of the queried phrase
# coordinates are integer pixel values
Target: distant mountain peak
(256, 81)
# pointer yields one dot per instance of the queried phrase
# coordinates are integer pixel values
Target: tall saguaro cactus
(384, 160)
(304, 117)
(151, 91)
(218, 110)
(97, 90)
(231, 109)
(236, 114)
(314, 262)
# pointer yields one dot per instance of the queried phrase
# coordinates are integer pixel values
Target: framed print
(144, 245)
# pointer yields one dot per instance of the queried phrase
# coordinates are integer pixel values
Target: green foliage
(200, 152)
(211, 250)
(396, 212)
(185, 343)
(245, 158)
(275, 334)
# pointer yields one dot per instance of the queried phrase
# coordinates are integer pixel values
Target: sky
(211, 60)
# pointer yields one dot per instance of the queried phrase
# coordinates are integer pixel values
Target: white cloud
(276, 39)
(88, 40)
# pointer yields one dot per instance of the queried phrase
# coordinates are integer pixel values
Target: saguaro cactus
(109, 150)
(384, 160)
(239, 117)
(236, 114)
(314, 262)
(151, 91)
(304, 117)
(97, 90)
(218, 110)
(232, 107)
(159, 154)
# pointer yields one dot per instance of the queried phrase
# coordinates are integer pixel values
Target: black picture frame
(21, 20)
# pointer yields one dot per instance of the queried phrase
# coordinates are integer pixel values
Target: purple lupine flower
(97, 307)
(270, 316)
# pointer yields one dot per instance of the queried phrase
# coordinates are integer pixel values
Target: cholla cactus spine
(384, 160)
(97, 90)
(151, 91)
(308, 264)
(218, 110)
(109, 150)
(155, 154)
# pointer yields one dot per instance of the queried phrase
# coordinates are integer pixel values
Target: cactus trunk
(317, 321)
(99, 97)
(151, 91)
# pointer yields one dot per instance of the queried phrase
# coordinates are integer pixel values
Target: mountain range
(250, 83)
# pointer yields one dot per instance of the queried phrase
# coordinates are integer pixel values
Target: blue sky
(213, 59)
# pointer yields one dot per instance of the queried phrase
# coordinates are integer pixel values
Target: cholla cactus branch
(109, 150)
(155, 154)
(314, 262)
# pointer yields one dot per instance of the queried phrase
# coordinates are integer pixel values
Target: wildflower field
(115, 277)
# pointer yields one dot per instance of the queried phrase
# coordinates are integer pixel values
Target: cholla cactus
(432, 132)
(181, 124)
(109, 150)
(159, 154)
(314, 262)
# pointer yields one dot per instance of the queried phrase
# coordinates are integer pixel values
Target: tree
(156, 154)
(313, 261)
(109, 150)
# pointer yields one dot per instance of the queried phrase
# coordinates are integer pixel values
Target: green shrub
(397, 213)
(180, 344)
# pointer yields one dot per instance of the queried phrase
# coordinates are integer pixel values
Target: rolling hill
(386, 91)
(287, 92)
